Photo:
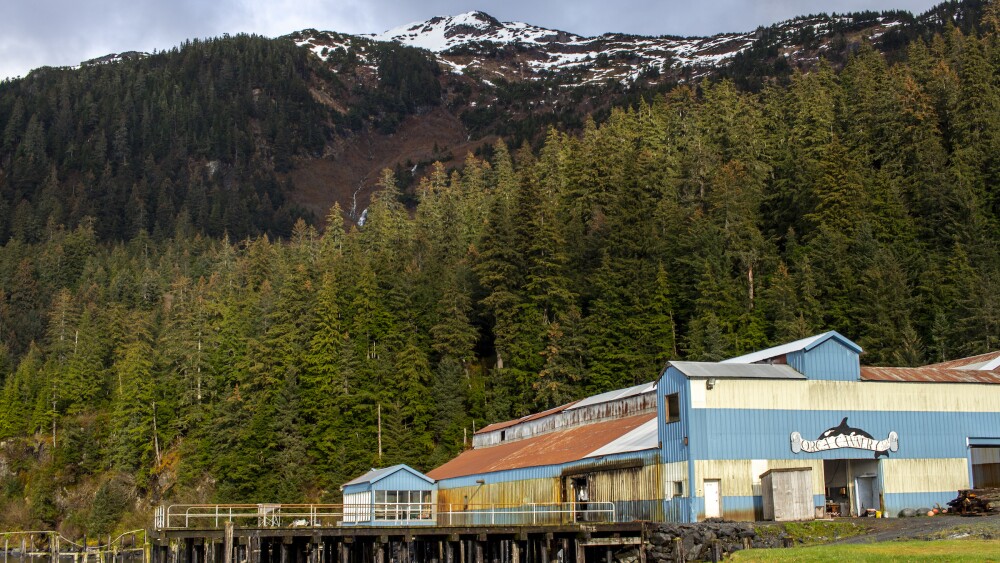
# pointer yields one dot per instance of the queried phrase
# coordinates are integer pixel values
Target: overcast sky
(37, 33)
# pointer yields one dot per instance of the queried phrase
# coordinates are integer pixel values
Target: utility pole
(380, 432)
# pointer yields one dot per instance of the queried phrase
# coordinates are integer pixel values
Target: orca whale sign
(843, 436)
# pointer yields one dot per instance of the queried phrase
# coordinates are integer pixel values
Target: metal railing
(28, 546)
(187, 516)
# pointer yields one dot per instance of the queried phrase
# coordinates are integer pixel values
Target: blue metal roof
(378, 474)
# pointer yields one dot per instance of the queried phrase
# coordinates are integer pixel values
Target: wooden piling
(478, 547)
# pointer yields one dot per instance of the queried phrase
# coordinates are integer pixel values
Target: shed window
(673, 403)
(678, 488)
(403, 505)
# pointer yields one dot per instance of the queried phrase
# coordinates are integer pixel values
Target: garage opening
(985, 467)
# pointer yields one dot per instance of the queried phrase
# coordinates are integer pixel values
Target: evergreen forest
(162, 340)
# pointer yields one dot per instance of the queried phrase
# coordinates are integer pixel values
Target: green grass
(821, 531)
(939, 550)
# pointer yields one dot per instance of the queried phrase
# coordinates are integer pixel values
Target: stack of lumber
(976, 501)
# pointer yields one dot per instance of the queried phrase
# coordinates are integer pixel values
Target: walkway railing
(35, 546)
(200, 516)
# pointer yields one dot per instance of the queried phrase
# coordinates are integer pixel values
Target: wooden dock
(570, 543)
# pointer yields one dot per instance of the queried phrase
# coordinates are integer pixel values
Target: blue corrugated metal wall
(830, 360)
(401, 480)
(673, 437)
(764, 434)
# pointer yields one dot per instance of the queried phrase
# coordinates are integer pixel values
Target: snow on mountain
(475, 42)
(617, 56)
(444, 32)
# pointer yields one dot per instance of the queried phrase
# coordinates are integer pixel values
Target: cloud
(64, 32)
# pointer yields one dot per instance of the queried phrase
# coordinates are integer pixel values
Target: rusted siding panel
(636, 492)
(966, 361)
(562, 419)
(509, 423)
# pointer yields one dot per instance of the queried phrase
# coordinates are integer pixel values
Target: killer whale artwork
(844, 436)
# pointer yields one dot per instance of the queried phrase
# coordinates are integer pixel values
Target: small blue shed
(391, 496)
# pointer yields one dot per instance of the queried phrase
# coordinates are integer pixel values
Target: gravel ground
(927, 528)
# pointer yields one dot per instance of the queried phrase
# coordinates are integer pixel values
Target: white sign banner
(843, 436)
(890, 444)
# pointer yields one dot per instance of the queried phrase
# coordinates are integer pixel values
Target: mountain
(181, 319)
(402, 99)
(514, 79)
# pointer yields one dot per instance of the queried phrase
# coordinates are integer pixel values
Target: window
(678, 488)
(673, 404)
(403, 505)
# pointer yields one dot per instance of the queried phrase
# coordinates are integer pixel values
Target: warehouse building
(696, 443)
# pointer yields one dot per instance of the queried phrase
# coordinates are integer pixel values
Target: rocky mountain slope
(514, 80)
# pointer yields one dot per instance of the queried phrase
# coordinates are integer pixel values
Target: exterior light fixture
(710, 383)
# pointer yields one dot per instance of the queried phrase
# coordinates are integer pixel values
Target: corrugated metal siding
(924, 475)
(854, 396)
(618, 408)
(356, 488)
(672, 434)
(981, 358)
(544, 490)
(750, 434)
(402, 481)
(636, 492)
(830, 360)
(740, 477)
(357, 507)
(985, 455)
(896, 502)
(501, 503)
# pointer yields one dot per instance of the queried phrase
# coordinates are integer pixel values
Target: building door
(713, 499)
(866, 493)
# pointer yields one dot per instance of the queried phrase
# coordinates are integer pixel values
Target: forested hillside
(197, 139)
(697, 225)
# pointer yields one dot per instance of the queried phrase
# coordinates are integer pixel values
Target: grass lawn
(938, 550)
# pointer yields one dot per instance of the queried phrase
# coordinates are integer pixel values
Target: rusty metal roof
(966, 362)
(553, 448)
(929, 375)
(509, 423)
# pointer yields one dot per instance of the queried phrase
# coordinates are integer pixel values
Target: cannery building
(696, 443)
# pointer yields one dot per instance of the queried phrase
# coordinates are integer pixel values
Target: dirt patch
(348, 171)
(927, 528)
